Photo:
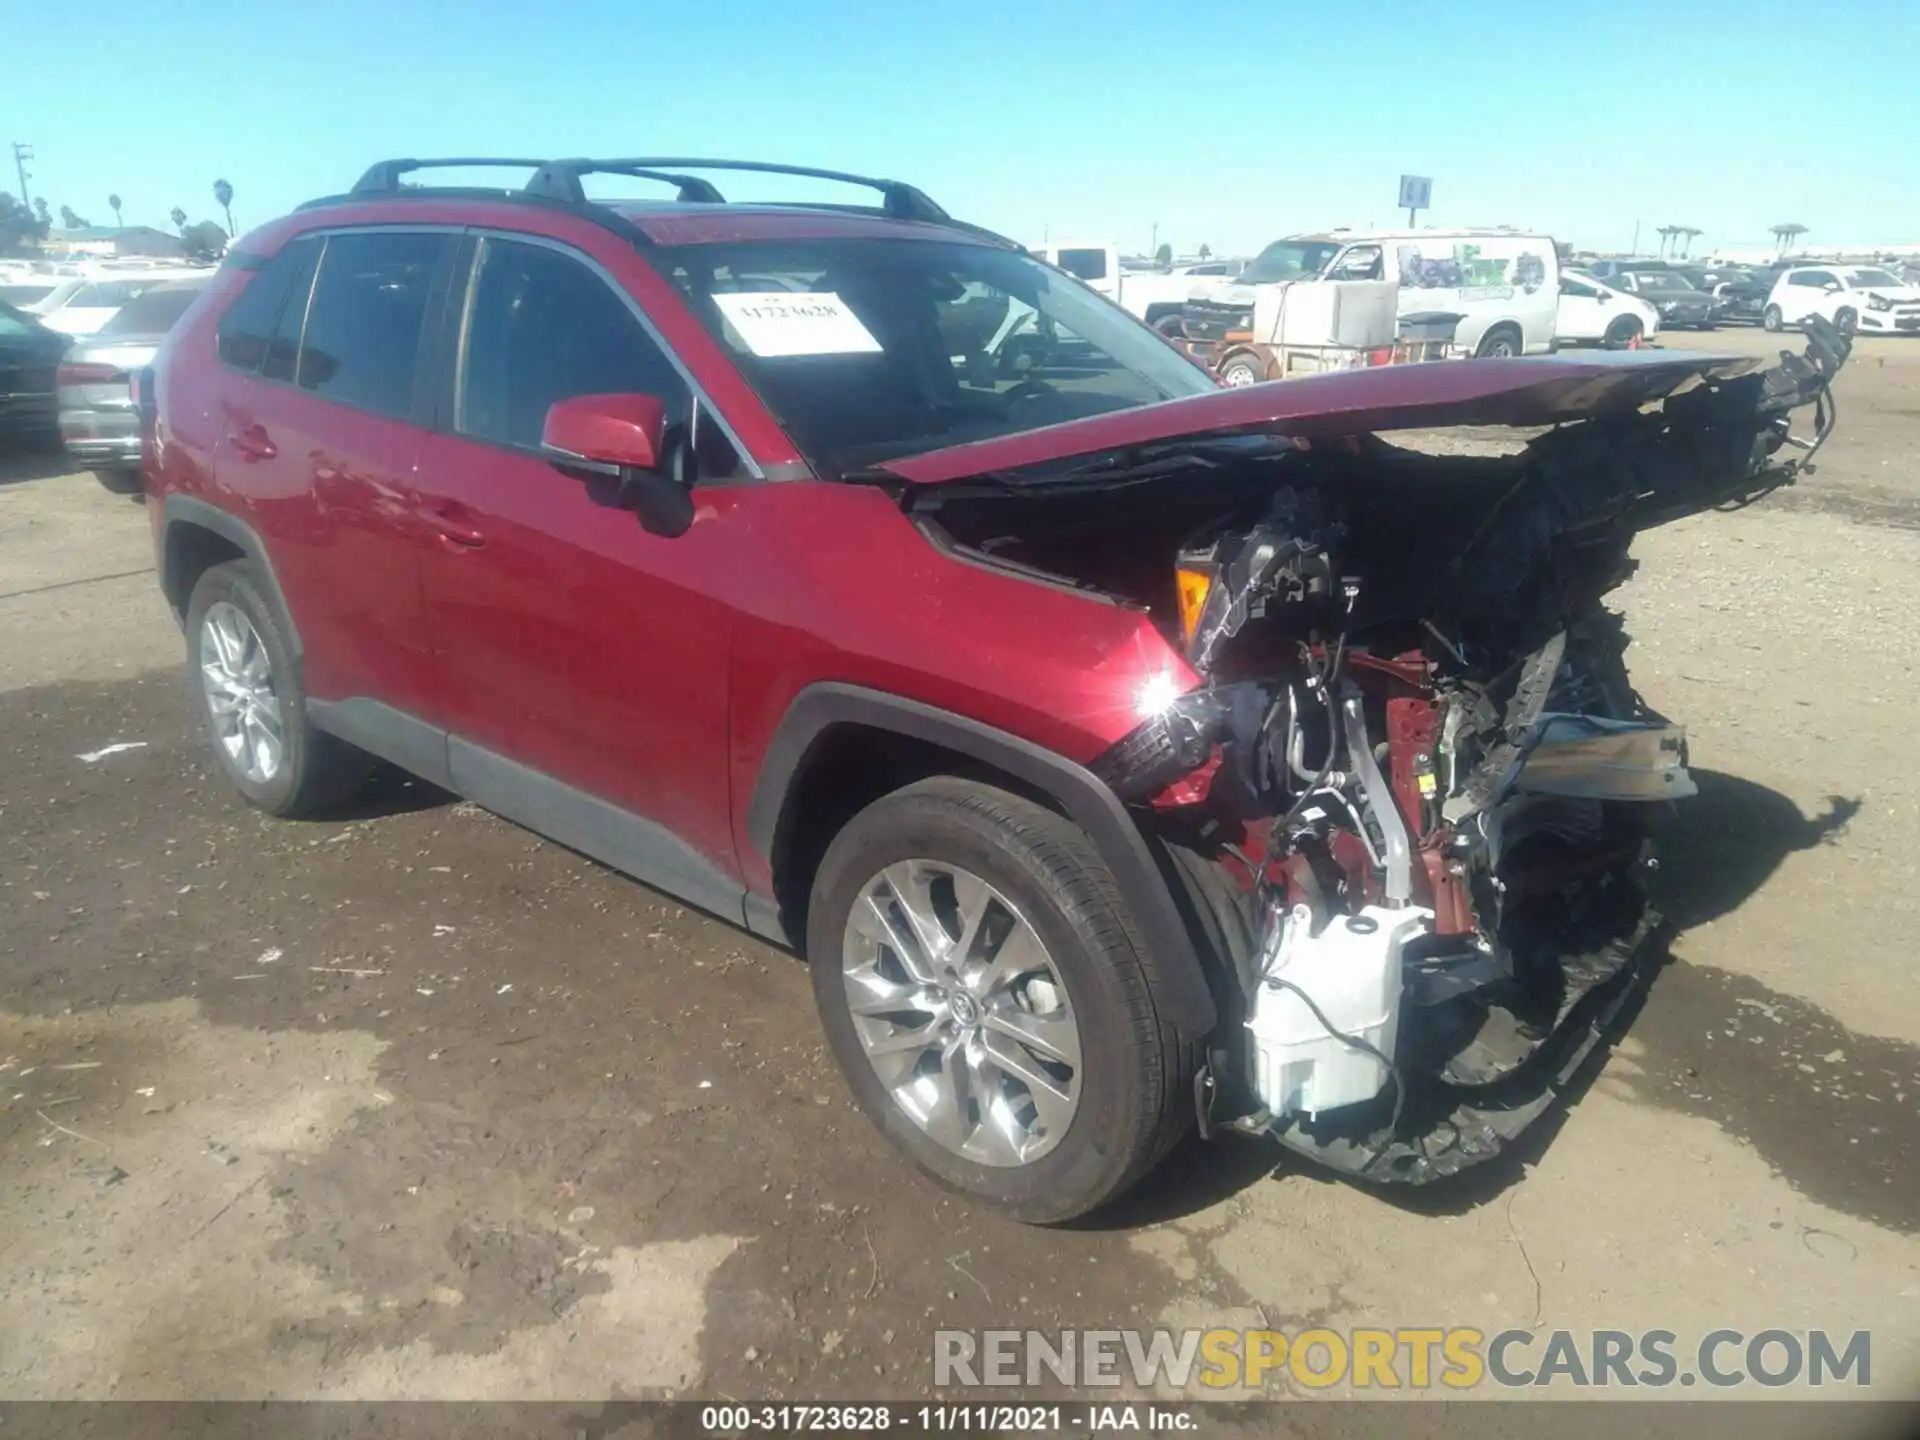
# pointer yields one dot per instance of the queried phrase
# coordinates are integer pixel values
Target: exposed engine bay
(1409, 795)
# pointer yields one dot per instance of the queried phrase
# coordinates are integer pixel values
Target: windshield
(870, 349)
(1289, 260)
(1871, 277)
(1662, 280)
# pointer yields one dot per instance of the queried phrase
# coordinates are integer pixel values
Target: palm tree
(1785, 235)
(40, 209)
(113, 204)
(178, 217)
(223, 192)
(1666, 234)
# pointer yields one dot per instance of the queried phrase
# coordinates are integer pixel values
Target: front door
(583, 664)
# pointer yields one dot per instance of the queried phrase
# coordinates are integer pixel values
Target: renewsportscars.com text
(1410, 1358)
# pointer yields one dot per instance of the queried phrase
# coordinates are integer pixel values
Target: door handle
(254, 443)
(449, 519)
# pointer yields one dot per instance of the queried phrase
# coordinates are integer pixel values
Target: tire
(1173, 326)
(1242, 369)
(1502, 342)
(1622, 332)
(1846, 320)
(1133, 1079)
(313, 770)
(120, 481)
(1770, 320)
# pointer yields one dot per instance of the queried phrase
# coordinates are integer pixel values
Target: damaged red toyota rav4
(1123, 753)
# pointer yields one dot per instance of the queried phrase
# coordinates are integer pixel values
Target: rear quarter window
(248, 325)
(361, 345)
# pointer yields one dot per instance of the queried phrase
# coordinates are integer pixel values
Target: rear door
(320, 443)
(584, 661)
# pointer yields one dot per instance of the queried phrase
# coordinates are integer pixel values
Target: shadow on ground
(1718, 848)
(36, 459)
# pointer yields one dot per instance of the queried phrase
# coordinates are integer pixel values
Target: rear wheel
(120, 480)
(1624, 330)
(252, 702)
(1243, 369)
(1770, 319)
(1502, 342)
(981, 983)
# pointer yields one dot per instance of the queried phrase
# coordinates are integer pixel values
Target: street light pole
(21, 154)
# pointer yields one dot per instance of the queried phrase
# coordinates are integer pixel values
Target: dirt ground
(410, 1103)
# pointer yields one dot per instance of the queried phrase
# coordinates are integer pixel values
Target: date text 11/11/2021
(958, 1418)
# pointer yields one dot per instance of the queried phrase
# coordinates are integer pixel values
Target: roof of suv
(698, 213)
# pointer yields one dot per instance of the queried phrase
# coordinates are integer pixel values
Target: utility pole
(22, 154)
(1153, 245)
(1636, 239)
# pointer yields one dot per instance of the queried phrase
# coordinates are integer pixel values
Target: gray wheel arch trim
(189, 510)
(1185, 997)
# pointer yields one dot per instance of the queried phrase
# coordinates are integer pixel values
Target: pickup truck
(1155, 296)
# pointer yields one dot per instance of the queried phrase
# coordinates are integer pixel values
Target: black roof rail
(899, 200)
(556, 183)
(383, 177)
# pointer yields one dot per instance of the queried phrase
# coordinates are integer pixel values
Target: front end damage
(1409, 796)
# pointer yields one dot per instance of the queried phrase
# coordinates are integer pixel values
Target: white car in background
(1865, 298)
(82, 304)
(1154, 295)
(1592, 312)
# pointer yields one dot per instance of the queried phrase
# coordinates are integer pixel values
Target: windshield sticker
(786, 323)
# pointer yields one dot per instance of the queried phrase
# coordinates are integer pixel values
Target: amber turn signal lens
(1193, 586)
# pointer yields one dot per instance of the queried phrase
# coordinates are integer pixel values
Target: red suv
(1123, 752)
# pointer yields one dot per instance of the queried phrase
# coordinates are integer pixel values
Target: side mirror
(1605, 297)
(624, 436)
(605, 432)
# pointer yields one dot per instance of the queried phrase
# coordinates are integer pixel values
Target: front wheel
(985, 992)
(1770, 320)
(1846, 320)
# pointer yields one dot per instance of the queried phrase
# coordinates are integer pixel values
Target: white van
(1504, 284)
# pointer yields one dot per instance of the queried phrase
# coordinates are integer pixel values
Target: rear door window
(361, 344)
(247, 327)
(543, 327)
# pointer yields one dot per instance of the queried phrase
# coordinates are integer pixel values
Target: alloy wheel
(236, 676)
(962, 1013)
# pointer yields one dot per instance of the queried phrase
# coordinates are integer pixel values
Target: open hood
(1355, 402)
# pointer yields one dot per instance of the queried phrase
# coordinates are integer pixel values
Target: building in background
(109, 242)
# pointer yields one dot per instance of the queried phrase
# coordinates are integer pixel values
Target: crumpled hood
(1534, 391)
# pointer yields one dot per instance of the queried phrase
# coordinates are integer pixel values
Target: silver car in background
(98, 423)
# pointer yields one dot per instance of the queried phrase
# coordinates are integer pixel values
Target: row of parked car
(69, 346)
(1854, 297)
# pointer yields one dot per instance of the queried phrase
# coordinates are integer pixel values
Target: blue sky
(1227, 123)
